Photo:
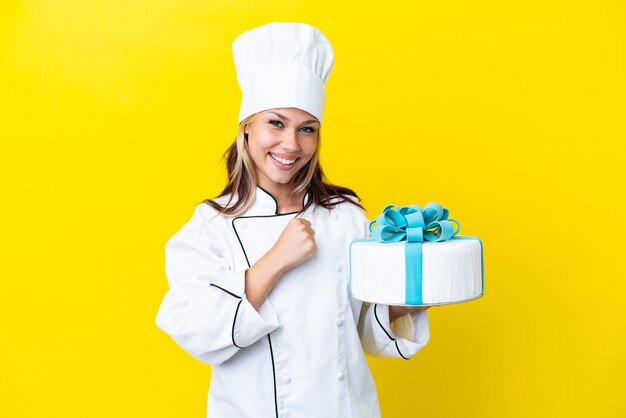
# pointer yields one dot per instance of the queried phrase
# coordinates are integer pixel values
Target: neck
(287, 200)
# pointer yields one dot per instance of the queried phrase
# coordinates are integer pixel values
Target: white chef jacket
(302, 353)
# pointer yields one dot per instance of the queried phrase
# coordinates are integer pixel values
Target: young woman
(259, 276)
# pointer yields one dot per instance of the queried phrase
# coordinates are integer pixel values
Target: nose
(290, 141)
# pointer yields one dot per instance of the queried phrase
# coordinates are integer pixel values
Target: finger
(296, 221)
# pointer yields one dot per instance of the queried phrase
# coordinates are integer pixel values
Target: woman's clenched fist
(295, 244)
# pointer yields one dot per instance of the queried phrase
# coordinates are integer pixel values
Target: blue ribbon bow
(413, 224)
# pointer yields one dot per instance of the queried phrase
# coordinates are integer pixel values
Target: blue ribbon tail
(413, 268)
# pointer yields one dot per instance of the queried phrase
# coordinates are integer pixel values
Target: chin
(282, 180)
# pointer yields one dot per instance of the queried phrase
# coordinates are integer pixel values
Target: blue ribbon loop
(415, 225)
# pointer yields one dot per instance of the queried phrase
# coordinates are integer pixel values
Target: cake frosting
(451, 272)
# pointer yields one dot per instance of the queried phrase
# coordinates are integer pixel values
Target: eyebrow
(287, 119)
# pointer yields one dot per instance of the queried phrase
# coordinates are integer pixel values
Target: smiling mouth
(283, 161)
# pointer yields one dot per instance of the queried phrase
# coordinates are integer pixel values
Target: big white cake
(428, 273)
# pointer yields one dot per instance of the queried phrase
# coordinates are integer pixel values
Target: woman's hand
(396, 311)
(295, 244)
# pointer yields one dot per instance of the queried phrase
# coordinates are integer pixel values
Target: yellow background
(114, 116)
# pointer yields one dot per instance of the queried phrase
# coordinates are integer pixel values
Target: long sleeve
(408, 335)
(205, 309)
(379, 339)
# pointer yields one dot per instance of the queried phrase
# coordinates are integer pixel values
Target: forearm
(261, 277)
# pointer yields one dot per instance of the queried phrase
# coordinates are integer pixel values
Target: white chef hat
(282, 65)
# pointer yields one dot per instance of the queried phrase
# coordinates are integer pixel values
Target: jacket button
(339, 268)
(285, 378)
(341, 376)
(339, 322)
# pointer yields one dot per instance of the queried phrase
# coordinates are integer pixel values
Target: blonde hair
(242, 178)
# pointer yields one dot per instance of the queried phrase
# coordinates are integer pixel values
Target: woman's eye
(276, 123)
(308, 129)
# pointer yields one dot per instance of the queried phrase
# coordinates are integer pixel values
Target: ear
(245, 133)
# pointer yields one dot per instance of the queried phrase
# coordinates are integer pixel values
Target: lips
(283, 163)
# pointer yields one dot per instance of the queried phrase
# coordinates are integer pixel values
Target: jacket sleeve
(205, 310)
(380, 340)
(402, 339)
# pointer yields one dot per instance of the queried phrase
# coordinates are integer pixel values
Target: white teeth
(282, 160)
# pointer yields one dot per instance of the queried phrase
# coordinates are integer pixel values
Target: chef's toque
(282, 65)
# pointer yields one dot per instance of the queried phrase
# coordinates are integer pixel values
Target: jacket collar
(267, 204)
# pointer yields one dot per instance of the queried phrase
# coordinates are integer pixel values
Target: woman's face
(281, 142)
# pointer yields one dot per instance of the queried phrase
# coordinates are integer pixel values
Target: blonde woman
(259, 275)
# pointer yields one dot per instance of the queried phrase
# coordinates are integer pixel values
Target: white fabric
(318, 332)
(282, 65)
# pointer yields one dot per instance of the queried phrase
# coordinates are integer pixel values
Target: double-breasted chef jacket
(302, 353)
